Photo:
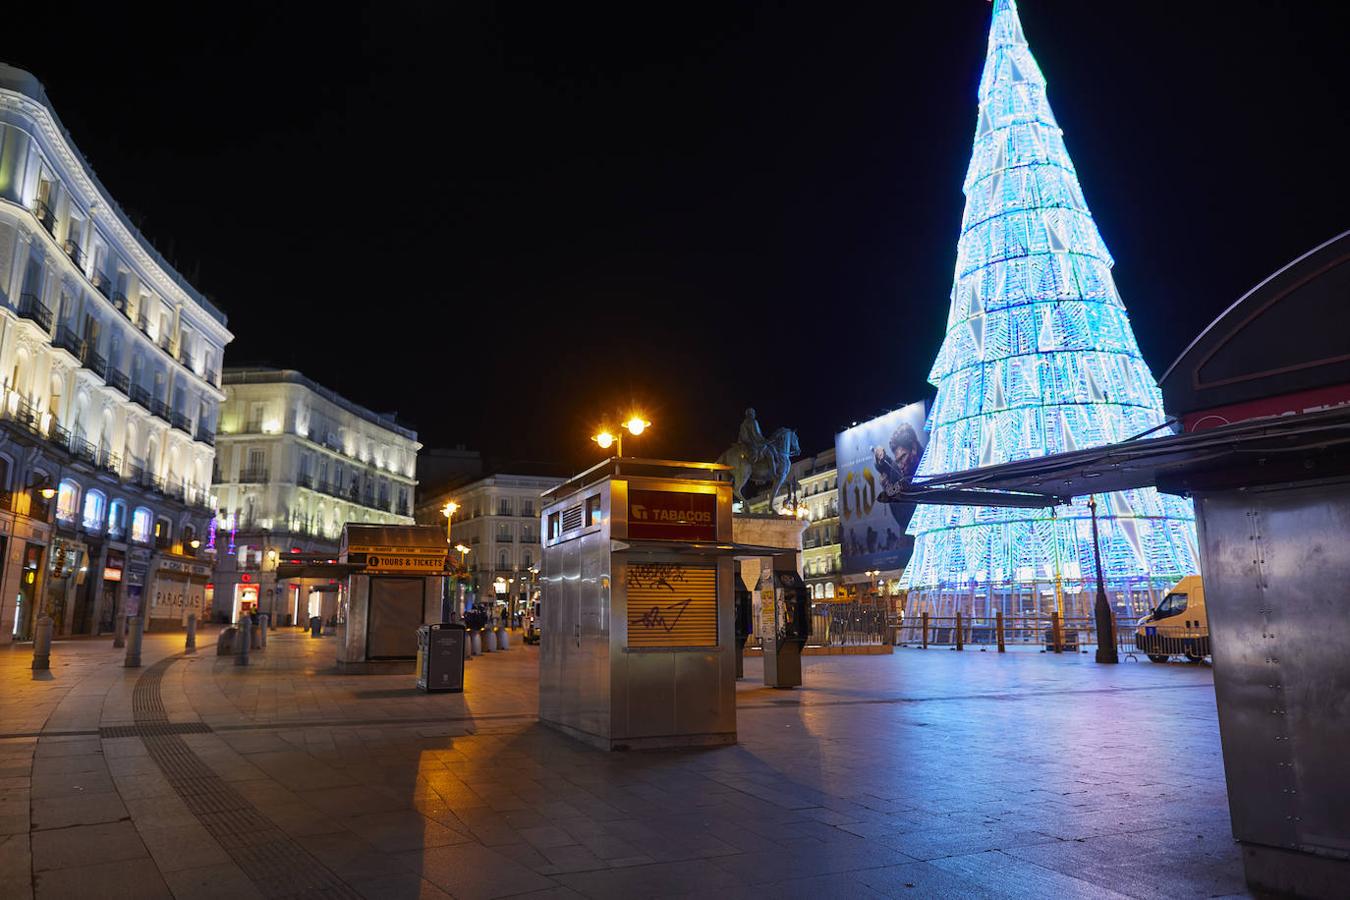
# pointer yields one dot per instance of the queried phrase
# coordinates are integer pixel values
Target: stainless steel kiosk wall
(1277, 563)
(638, 636)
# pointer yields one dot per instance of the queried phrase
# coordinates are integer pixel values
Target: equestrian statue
(753, 458)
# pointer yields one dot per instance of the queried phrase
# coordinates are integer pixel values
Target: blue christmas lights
(1039, 358)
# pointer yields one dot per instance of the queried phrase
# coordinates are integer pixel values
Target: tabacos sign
(672, 515)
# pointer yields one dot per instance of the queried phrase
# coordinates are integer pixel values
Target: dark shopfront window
(24, 616)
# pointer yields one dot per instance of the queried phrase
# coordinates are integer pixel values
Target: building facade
(109, 393)
(295, 463)
(498, 523)
(817, 482)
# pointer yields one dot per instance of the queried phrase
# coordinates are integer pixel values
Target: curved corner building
(1039, 358)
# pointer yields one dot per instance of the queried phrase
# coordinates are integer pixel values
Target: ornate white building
(296, 462)
(109, 388)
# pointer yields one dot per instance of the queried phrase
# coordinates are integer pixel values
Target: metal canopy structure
(1262, 451)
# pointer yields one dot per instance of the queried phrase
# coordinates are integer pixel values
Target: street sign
(404, 562)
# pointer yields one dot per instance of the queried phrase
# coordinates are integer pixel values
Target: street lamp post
(447, 600)
(635, 426)
(1106, 630)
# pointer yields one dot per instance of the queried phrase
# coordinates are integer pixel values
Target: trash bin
(440, 657)
(315, 624)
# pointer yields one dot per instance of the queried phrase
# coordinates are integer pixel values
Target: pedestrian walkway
(921, 774)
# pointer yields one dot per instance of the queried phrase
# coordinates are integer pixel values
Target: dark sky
(507, 221)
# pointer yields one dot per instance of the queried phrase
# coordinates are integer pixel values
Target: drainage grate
(152, 728)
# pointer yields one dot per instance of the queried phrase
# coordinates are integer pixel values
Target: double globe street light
(635, 426)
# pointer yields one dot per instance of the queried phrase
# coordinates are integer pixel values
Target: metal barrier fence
(848, 624)
(1070, 635)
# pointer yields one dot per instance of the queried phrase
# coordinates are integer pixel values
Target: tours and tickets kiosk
(639, 640)
(394, 584)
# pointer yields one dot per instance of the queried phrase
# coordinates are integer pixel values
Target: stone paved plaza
(922, 774)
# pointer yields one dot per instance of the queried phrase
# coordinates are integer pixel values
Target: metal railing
(140, 396)
(33, 309)
(159, 409)
(75, 252)
(68, 340)
(206, 436)
(120, 301)
(46, 218)
(1050, 633)
(181, 422)
(102, 283)
(253, 476)
(119, 381)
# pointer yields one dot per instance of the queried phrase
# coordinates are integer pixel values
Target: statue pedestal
(765, 530)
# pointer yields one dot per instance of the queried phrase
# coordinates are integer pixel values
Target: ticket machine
(785, 627)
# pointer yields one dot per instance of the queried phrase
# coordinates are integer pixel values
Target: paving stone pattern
(922, 774)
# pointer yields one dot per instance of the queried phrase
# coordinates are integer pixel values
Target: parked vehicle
(1178, 626)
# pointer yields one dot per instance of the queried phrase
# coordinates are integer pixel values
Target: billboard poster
(877, 458)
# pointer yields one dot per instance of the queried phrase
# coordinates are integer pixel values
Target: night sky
(506, 221)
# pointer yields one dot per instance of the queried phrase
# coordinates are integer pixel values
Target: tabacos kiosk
(393, 579)
(638, 595)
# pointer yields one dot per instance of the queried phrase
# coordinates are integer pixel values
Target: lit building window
(67, 501)
(94, 504)
(141, 522)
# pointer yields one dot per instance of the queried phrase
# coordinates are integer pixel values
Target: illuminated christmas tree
(1039, 358)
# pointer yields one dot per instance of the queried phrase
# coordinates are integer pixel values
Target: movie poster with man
(877, 459)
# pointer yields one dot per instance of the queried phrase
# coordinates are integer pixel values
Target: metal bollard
(245, 640)
(925, 631)
(42, 643)
(253, 632)
(135, 628)
(998, 625)
(1058, 632)
(960, 636)
(489, 640)
(503, 639)
(120, 632)
(263, 621)
(476, 640)
(190, 643)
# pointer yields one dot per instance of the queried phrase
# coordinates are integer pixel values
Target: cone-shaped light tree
(1039, 358)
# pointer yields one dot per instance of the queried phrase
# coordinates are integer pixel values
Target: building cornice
(166, 280)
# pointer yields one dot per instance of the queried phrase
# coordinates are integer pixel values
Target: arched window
(829, 590)
(502, 561)
(95, 504)
(141, 521)
(163, 532)
(526, 560)
(67, 501)
(117, 519)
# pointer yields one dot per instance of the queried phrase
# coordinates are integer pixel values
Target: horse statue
(770, 464)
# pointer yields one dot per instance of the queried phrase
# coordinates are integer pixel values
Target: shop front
(180, 591)
(65, 575)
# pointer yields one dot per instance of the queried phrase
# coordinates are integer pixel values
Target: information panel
(672, 605)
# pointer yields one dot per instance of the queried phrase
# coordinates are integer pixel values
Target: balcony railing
(95, 363)
(46, 218)
(181, 422)
(75, 253)
(140, 396)
(31, 308)
(160, 409)
(143, 324)
(119, 381)
(206, 436)
(119, 300)
(102, 284)
(305, 480)
(213, 377)
(253, 476)
(68, 340)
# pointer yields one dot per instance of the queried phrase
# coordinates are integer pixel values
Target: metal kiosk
(393, 587)
(785, 627)
(638, 646)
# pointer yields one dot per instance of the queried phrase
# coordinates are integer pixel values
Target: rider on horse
(751, 438)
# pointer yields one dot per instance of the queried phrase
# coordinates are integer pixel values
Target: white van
(1178, 626)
